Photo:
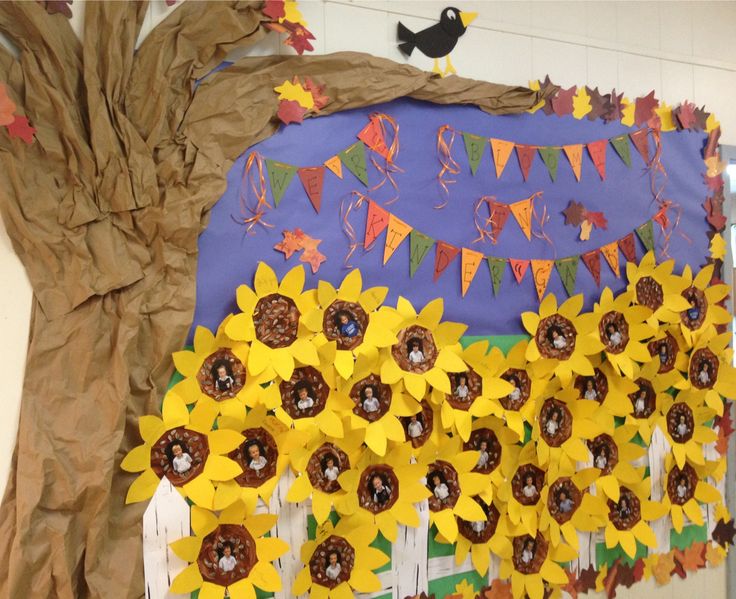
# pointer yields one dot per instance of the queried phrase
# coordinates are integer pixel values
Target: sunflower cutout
(704, 311)
(670, 348)
(382, 491)
(613, 454)
(562, 338)
(710, 373)
(228, 555)
(606, 387)
(271, 320)
(353, 321)
(497, 449)
(375, 408)
(628, 517)
(683, 424)
(452, 482)
(182, 447)
(622, 330)
(318, 465)
(426, 350)
(684, 490)
(262, 456)
(646, 401)
(569, 507)
(424, 426)
(522, 492)
(339, 562)
(657, 288)
(534, 564)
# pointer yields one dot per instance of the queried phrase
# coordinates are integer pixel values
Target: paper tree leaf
(543, 87)
(701, 119)
(628, 112)
(724, 532)
(685, 114)
(299, 38)
(714, 554)
(596, 219)
(7, 106)
(725, 428)
(574, 213)
(292, 242)
(499, 589)
(638, 570)
(714, 212)
(644, 108)
(293, 90)
(571, 588)
(61, 7)
(22, 129)
(662, 570)
(311, 255)
(666, 118)
(464, 590)
(290, 112)
(714, 184)
(615, 113)
(586, 579)
(600, 104)
(717, 247)
(581, 103)
(274, 9)
(625, 575)
(585, 229)
(711, 123)
(562, 103)
(692, 558)
(320, 99)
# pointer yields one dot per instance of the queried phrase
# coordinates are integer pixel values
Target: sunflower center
(221, 375)
(466, 387)
(694, 316)
(484, 441)
(276, 320)
(227, 555)
(415, 350)
(371, 397)
(555, 422)
(625, 513)
(563, 500)
(345, 323)
(681, 484)
(480, 531)
(594, 387)
(529, 553)
(666, 350)
(703, 370)
(332, 562)
(605, 453)
(179, 455)
(521, 392)
(378, 488)
(613, 331)
(325, 464)
(257, 456)
(649, 293)
(644, 399)
(418, 428)
(442, 481)
(527, 484)
(680, 422)
(305, 394)
(555, 337)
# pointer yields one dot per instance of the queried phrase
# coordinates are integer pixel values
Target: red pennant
(445, 254)
(313, 177)
(499, 215)
(640, 139)
(375, 224)
(628, 247)
(593, 261)
(597, 151)
(526, 157)
(518, 267)
(372, 136)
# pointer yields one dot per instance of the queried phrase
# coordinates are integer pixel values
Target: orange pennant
(335, 165)
(541, 269)
(575, 156)
(395, 234)
(522, 211)
(470, 262)
(501, 150)
(610, 253)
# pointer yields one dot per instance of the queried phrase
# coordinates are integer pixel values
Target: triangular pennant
(499, 215)
(395, 234)
(445, 254)
(541, 269)
(354, 159)
(551, 158)
(501, 150)
(372, 136)
(621, 145)
(640, 139)
(313, 178)
(469, 267)
(419, 245)
(518, 267)
(474, 146)
(597, 151)
(280, 175)
(575, 156)
(610, 253)
(593, 261)
(522, 211)
(568, 271)
(628, 247)
(645, 233)
(525, 155)
(376, 222)
(497, 266)
(335, 165)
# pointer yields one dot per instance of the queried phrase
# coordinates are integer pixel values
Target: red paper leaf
(616, 110)
(714, 183)
(274, 9)
(644, 108)
(714, 212)
(61, 7)
(320, 100)
(292, 243)
(299, 37)
(701, 119)
(22, 129)
(543, 87)
(725, 428)
(596, 219)
(587, 579)
(685, 114)
(562, 102)
(290, 112)
(7, 107)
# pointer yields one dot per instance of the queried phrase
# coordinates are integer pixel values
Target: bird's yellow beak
(468, 17)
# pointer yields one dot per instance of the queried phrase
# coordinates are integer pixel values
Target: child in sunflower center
(614, 336)
(256, 461)
(553, 422)
(331, 471)
(640, 404)
(414, 428)
(483, 455)
(682, 488)
(565, 504)
(601, 460)
(223, 382)
(381, 491)
(527, 555)
(515, 394)
(370, 402)
(182, 461)
(416, 356)
(558, 339)
(333, 568)
(227, 562)
(682, 428)
(529, 490)
(704, 373)
(440, 489)
(304, 399)
(461, 391)
(347, 325)
(590, 392)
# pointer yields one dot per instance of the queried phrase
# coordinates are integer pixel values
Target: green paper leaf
(497, 266)
(568, 270)
(420, 246)
(280, 175)
(474, 146)
(646, 233)
(689, 535)
(621, 145)
(551, 157)
(354, 159)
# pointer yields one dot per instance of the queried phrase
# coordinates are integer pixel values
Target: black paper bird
(439, 39)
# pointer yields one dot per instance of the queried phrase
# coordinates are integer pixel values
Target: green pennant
(280, 175)
(646, 233)
(497, 266)
(550, 156)
(568, 270)
(420, 246)
(474, 146)
(354, 158)
(621, 145)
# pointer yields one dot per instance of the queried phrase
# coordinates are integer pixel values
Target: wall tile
(715, 89)
(601, 20)
(602, 69)
(713, 30)
(566, 64)
(354, 28)
(638, 75)
(638, 24)
(677, 82)
(676, 27)
(559, 17)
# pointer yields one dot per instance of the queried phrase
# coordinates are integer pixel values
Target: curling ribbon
(346, 208)
(449, 164)
(382, 122)
(258, 187)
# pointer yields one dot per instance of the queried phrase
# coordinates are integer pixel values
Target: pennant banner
(335, 165)
(501, 152)
(568, 270)
(610, 253)
(375, 224)
(550, 157)
(593, 261)
(445, 254)
(541, 269)
(640, 140)
(470, 261)
(396, 233)
(354, 159)
(621, 145)
(628, 247)
(646, 234)
(526, 157)
(313, 178)
(280, 175)
(522, 211)
(419, 246)
(372, 136)
(474, 146)
(518, 267)
(574, 154)
(497, 266)
(597, 151)
(499, 215)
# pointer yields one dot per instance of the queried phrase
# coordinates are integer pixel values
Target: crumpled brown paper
(104, 210)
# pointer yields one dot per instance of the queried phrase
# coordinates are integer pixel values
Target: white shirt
(258, 463)
(227, 563)
(527, 556)
(333, 571)
(639, 405)
(441, 491)
(529, 491)
(682, 429)
(415, 429)
(552, 427)
(416, 357)
(515, 395)
(332, 473)
(461, 391)
(305, 404)
(591, 394)
(681, 491)
(182, 463)
(703, 377)
(615, 338)
(478, 525)
(371, 404)
(559, 342)
(482, 459)
(601, 462)
(566, 505)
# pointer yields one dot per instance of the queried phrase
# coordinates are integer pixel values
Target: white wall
(683, 50)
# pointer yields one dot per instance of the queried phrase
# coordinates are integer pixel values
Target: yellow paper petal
(265, 577)
(200, 491)
(137, 460)
(269, 549)
(143, 487)
(218, 467)
(187, 548)
(365, 581)
(224, 441)
(242, 589)
(187, 581)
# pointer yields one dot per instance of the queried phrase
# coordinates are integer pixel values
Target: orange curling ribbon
(541, 221)
(346, 209)
(253, 180)
(383, 123)
(449, 164)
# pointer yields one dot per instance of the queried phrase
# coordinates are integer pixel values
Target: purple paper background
(229, 257)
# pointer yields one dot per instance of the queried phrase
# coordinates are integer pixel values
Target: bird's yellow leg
(448, 66)
(436, 67)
